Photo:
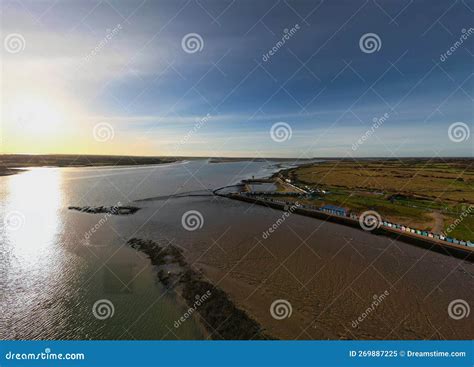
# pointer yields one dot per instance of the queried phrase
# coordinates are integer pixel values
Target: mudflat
(332, 275)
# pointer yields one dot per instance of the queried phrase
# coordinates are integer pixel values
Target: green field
(422, 193)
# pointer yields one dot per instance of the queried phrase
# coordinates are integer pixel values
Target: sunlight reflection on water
(34, 209)
(49, 280)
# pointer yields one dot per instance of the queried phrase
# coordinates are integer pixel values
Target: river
(52, 272)
(56, 264)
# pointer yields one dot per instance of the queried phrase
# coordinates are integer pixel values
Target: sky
(292, 78)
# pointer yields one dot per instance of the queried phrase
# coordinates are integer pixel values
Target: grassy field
(426, 194)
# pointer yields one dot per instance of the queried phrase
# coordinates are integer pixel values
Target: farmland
(430, 194)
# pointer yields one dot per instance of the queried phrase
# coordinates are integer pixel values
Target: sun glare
(36, 115)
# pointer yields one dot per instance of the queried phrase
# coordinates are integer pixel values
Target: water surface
(53, 268)
(56, 263)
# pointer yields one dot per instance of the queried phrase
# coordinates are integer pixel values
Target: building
(332, 209)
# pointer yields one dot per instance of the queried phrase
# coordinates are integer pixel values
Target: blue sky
(145, 87)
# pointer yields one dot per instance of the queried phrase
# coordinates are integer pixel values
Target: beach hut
(334, 210)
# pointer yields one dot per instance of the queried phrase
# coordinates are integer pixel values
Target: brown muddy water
(55, 264)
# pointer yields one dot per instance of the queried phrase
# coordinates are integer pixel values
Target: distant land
(12, 163)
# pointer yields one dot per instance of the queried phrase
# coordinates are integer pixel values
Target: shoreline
(217, 314)
(18, 170)
(15, 163)
(463, 252)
